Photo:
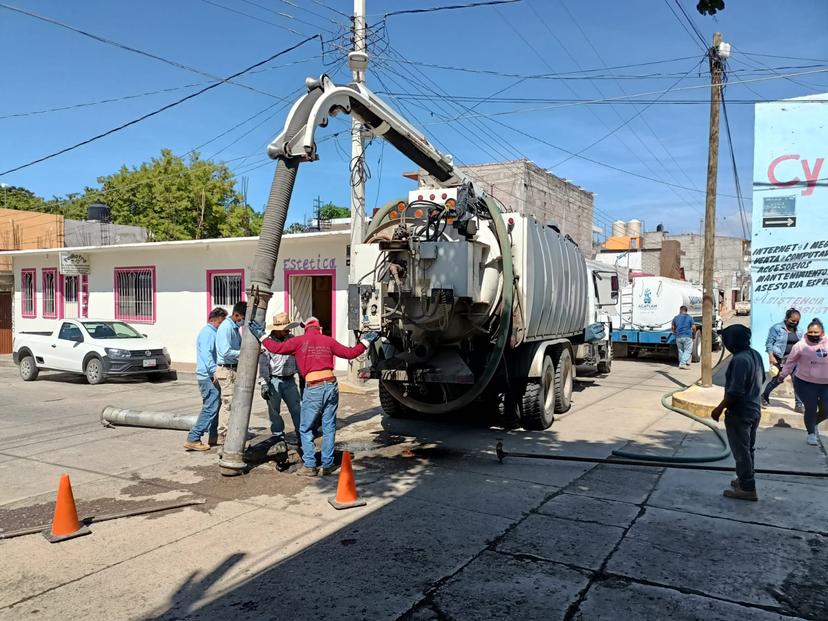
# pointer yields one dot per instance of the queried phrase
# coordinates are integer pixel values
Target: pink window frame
(23, 313)
(210, 274)
(54, 272)
(331, 273)
(136, 268)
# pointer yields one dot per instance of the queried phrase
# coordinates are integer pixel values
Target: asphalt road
(448, 532)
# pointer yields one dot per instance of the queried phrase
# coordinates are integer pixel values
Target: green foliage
(172, 198)
(710, 7)
(329, 211)
(296, 227)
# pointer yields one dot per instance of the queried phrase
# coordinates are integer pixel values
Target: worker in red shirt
(314, 353)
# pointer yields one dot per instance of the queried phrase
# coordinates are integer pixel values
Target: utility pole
(358, 63)
(201, 217)
(716, 56)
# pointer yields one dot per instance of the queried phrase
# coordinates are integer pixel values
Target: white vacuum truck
(648, 306)
(477, 306)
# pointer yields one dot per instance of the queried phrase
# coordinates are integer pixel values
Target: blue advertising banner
(789, 267)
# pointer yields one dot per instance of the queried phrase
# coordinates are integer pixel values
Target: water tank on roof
(99, 212)
(619, 228)
(634, 228)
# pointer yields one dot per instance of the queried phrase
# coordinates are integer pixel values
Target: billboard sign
(789, 266)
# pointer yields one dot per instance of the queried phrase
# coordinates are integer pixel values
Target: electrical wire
(742, 214)
(134, 50)
(157, 111)
(254, 18)
(684, 27)
(450, 7)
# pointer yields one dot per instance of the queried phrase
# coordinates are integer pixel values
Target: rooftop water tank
(619, 228)
(634, 228)
(99, 212)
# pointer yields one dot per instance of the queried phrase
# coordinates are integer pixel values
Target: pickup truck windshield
(110, 330)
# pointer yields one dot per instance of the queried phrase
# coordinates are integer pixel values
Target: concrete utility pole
(358, 63)
(716, 76)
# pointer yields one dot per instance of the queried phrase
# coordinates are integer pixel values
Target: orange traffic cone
(346, 493)
(65, 524)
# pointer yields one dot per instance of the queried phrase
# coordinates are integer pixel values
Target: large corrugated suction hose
(259, 294)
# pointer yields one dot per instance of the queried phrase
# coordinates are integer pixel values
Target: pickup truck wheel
(28, 369)
(94, 371)
(564, 378)
(537, 407)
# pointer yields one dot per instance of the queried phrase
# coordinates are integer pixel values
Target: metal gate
(71, 297)
(301, 299)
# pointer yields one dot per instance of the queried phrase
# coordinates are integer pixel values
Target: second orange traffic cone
(346, 493)
(65, 524)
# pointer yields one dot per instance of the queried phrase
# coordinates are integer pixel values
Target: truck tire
(94, 371)
(537, 403)
(28, 369)
(695, 353)
(605, 366)
(390, 406)
(564, 372)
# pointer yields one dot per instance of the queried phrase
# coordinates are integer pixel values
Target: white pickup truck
(96, 348)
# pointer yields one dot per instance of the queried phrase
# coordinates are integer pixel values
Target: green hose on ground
(667, 402)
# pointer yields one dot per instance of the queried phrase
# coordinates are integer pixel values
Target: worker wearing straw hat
(277, 380)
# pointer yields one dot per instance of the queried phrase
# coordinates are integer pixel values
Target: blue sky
(48, 67)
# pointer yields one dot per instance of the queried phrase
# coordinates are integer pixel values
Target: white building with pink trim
(166, 289)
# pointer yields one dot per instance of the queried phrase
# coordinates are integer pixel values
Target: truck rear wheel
(28, 369)
(537, 407)
(563, 380)
(390, 406)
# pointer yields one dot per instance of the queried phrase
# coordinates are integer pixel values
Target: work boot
(329, 470)
(735, 483)
(196, 446)
(740, 494)
(304, 471)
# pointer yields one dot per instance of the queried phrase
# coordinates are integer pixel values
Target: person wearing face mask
(781, 339)
(808, 361)
(228, 344)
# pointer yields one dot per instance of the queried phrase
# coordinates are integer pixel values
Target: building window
(28, 293)
(71, 297)
(224, 288)
(135, 294)
(50, 293)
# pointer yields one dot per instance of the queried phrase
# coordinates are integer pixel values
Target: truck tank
(656, 300)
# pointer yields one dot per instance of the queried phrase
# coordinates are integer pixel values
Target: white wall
(181, 283)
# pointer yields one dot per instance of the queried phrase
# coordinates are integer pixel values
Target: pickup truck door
(65, 352)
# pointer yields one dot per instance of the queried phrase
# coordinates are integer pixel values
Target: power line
(330, 8)
(597, 102)
(129, 48)
(693, 26)
(139, 95)
(159, 110)
(684, 27)
(450, 7)
(742, 215)
(254, 18)
(287, 15)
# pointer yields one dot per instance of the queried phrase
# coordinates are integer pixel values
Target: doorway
(312, 295)
(5, 322)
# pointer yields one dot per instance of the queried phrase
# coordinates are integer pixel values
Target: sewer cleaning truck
(648, 306)
(478, 307)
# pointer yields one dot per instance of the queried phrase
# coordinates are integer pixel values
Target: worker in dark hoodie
(743, 387)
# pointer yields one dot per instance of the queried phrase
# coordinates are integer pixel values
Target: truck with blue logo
(648, 305)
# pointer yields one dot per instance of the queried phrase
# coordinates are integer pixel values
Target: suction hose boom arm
(313, 110)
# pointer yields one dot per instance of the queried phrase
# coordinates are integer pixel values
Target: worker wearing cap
(277, 379)
(314, 353)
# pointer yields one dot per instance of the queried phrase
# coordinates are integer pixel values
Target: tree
(15, 197)
(296, 227)
(329, 211)
(166, 195)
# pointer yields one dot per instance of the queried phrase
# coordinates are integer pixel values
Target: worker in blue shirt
(684, 328)
(206, 366)
(228, 343)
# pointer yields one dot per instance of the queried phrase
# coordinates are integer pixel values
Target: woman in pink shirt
(808, 361)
